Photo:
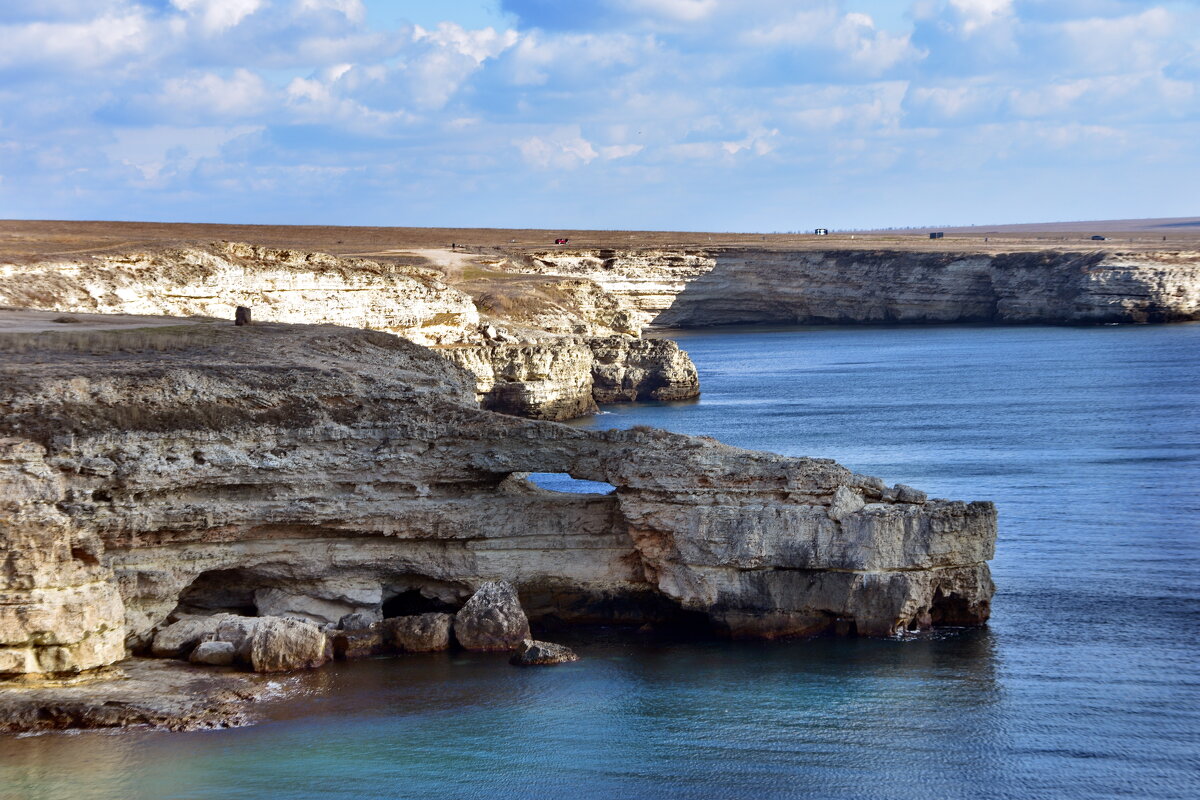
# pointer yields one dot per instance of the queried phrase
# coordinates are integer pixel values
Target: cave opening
(951, 609)
(218, 591)
(413, 601)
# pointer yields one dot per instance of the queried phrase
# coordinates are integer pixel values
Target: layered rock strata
(211, 469)
(561, 355)
(565, 378)
(724, 286)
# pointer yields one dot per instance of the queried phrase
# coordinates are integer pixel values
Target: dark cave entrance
(221, 590)
(411, 602)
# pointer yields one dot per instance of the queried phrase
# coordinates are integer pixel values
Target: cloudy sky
(757, 115)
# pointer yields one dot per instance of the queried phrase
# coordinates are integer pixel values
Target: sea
(1085, 683)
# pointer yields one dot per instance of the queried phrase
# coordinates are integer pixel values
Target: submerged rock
(420, 633)
(533, 653)
(492, 619)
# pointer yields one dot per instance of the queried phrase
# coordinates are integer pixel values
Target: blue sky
(755, 115)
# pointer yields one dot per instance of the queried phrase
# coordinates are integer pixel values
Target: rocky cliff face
(548, 370)
(207, 468)
(563, 378)
(742, 286)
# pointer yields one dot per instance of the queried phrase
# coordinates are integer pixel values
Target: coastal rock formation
(420, 633)
(278, 285)
(725, 286)
(533, 653)
(576, 345)
(492, 619)
(561, 379)
(209, 469)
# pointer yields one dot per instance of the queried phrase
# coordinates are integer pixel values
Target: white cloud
(242, 94)
(216, 16)
(564, 148)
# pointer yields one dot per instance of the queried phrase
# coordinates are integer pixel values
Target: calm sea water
(1086, 684)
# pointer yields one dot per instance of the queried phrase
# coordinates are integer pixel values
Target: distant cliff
(553, 355)
(693, 288)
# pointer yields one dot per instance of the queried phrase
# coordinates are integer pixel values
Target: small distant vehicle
(1099, 238)
(561, 241)
(821, 232)
(937, 235)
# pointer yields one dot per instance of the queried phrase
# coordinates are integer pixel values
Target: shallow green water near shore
(1086, 684)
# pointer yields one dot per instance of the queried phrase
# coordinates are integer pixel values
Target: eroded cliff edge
(198, 465)
(539, 349)
(726, 286)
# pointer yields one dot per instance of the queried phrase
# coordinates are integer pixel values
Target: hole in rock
(412, 602)
(951, 609)
(562, 482)
(228, 590)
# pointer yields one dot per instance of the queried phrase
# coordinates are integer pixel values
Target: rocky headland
(335, 492)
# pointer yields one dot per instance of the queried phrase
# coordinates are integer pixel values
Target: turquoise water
(1086, 684)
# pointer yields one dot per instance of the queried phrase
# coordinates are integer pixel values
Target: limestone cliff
(563, 378)
(724, 286)
(207, 468)
(545, 367)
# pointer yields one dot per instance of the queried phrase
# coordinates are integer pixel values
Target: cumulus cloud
(290, 100)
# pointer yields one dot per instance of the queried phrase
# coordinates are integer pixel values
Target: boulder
(532, 653)
(492, 619)
(177, 639)
(217, 654)
(359, 643)
(281, 645)
(422, 633)
(237, 631)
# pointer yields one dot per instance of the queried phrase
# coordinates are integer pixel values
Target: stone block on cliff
(532, 653)
(281, 645)
(492, 619)
(421, 633)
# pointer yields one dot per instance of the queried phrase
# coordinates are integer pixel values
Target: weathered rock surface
(361, 643)
(278, 285)
(532, 653)
(207, 464)
(576, 345)
(419, 633)
(559, 379)
(217, 654)
(724, 286)
(492, 619)
(145, 692)
(177, 639)
(282, 645)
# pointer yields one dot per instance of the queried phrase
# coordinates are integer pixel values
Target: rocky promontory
(329, 474)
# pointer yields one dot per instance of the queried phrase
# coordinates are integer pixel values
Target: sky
(721, 115)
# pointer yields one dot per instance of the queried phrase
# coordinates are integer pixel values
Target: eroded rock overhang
(340, 470)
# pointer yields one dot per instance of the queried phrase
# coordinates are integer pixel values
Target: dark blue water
(1085, 685)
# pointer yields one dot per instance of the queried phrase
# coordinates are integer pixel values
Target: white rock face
(725, 286)
(559, 379)
(278, 286)
(314, 469)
